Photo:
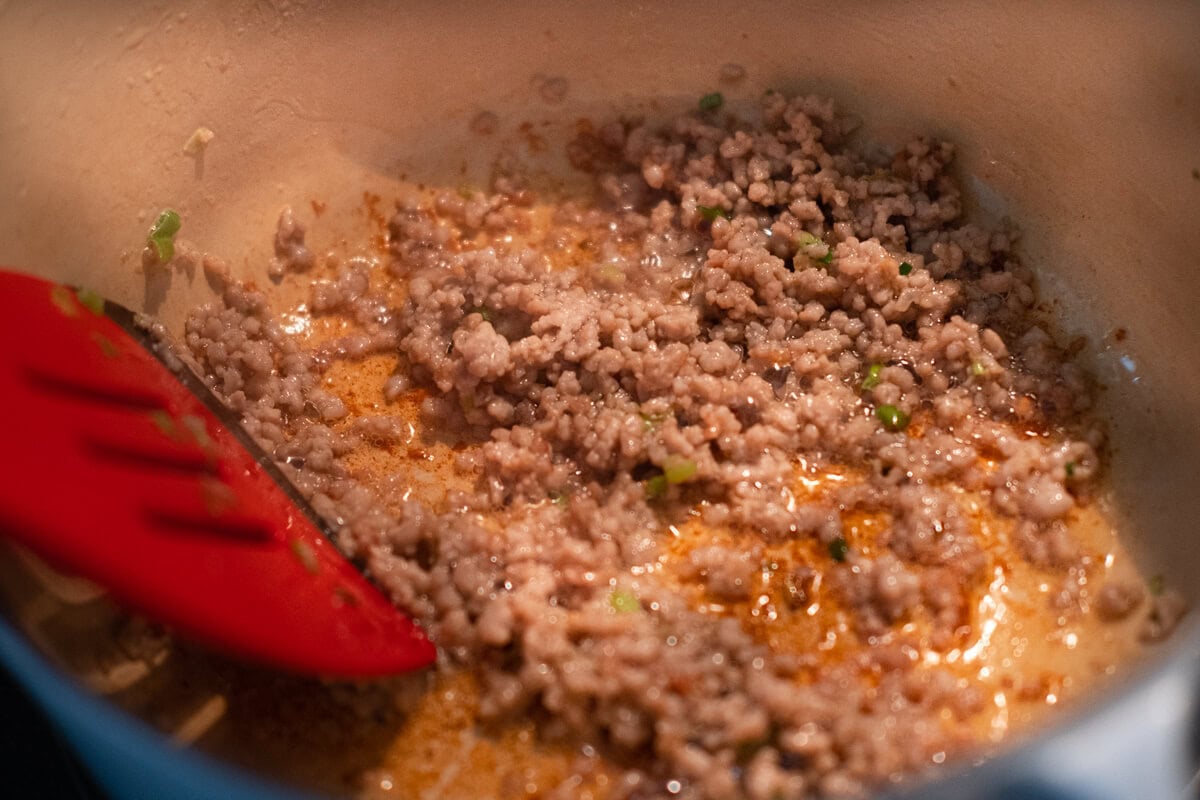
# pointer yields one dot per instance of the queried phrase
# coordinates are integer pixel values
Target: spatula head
(115, 470)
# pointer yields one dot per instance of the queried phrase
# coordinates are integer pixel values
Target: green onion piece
(1157, 585)
(624, 601)
(710, 213)
(892, 418)
(678, 470)
(611, 274)
(872, 380)
(560, 499)
(656, 487)
(711, 101)
(838, 549)
(90, 300)
(977, 368)
(199, 431)
(107, 346)
(652, 421)
(482, 311)
(164, 422)
(217, 496)
(64, 301)
(1069, 468)
(805, 240)
(162, 234)
(305, 555)
(905, 268)
(199, 140)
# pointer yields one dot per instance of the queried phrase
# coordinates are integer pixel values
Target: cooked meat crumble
(707, 474)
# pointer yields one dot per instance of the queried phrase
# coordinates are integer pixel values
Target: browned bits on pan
(731, 73)
(485, 123)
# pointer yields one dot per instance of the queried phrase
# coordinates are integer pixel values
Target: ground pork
(744, 301)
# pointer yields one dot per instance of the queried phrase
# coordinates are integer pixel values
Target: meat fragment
(291, 254)
(1117, 599)
(1166, 610)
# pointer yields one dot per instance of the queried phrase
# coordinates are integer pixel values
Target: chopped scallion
(656, 487)
(711, 101)
(64, 301)
(90, 300)
(199, 140)
(652, 421)
(872, 380)
(162, 234)
(1069, 468)
(1157, 585)
(199, 431)
(217, 496)
(560, 499)
(892, 418)
(164, 422)
(905, 268)
(107, 346)
(678, 470)
(977, 368)
(305, 555)
(482, 311)
(710, 213)
(804, 241)
(624, 601)
(839, 549)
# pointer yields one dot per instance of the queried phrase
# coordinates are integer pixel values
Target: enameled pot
(1081, 123)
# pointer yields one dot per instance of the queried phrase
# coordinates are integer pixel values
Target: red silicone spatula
(121, 470)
